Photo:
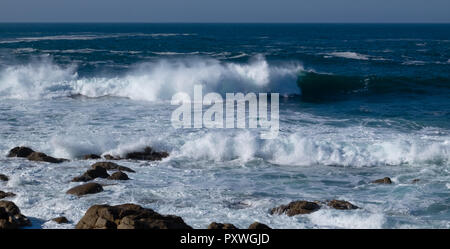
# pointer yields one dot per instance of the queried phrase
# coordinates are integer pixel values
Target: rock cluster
(128, 216)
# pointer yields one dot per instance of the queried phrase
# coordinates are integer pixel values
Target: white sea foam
(327, 218)
(150, 81)
(350, 55)
(296, 149)
(86, 37)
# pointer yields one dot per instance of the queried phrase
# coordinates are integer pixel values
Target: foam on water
(150, 81)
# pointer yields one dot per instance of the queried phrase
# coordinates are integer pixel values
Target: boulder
(10, 216)
(341, 205)
(91, 174)
(148, 154)
(385, 180)
(111, 166)
(88, 188)
(4, 178)
(61, 220)
(6, 194)
(118, 176)
(91, 156)
(20, 152)
(128, 216)
(258, 226)
(296, 207)
(42, 157)
(215, 225)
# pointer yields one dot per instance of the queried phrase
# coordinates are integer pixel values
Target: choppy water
(361, 102)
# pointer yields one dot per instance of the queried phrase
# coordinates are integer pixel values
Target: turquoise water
(359, 102)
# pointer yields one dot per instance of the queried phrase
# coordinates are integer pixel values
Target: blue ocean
(358, 102)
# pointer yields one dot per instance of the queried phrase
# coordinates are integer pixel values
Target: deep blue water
(360, 102)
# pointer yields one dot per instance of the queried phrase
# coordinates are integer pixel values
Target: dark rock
(118, 176)
(20, 152)
(258, 226)
(147, 154)
(385, 180)
(91, 174)
(341, 205)
(3, 178)
(10, 216)
(296, 207)
(111, 166)
(215, 225)
(91, 156)
(128, 216)
(61, 220)
(110, 157)
(415, 181)
(6, 194)
(88, 188)
(42, 157)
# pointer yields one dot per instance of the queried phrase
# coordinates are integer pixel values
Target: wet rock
(20, 152)
(296, 207)
(10, 216)
(385, 180)
(6, 194)
(4, 178)
(88, 188)
(112, 166)
(415, 181)
(118, 176)
(110, 157)
(215, 225)
(61, 220)
(91, 156)
(258, 226)
(128, 216)
(148, 154)
(91, 174)
(341, 205)
(42, 157)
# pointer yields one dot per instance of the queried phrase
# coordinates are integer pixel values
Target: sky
(386, 11)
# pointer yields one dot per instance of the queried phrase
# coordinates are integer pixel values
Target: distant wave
(86, 37)
(350, 55)
(150, 81)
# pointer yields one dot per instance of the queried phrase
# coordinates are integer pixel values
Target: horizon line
(170, 22)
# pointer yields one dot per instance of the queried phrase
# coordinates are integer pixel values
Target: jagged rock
(118, 176)
(341, 205)
(10, 216)
(128, 216)
(385, 180)
(147, 154)
(258, 226)
(42, 157)
(20, 152)
(91, 174)
(6, 194)
(216, 225)
(111, 166)
(296, 207)
(88, 188)
(4, 178)
(91, 156)
(61, 220)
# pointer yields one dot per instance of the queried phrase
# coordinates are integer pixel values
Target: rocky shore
(129, 215)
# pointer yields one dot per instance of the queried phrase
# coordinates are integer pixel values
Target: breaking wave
(150, 81)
